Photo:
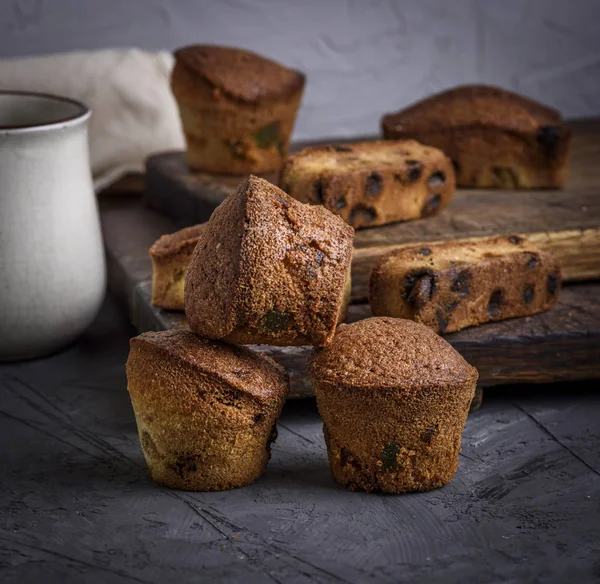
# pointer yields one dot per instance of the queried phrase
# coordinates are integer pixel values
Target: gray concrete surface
(76, 504)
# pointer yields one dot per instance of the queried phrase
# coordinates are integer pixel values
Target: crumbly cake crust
(170, 256)
(449, 286)
(371, 183)
(394, 398)
(171, 244)
(240, 74)
(466, 104)
(206, 411)
(237, 109)
(269, 269)
(494, 137)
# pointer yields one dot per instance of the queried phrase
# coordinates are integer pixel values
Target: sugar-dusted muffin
(170, 258)
(452, 285)
(495, 138)
(206, 411)
(371, 183)
(237, 108)
(394, 398)
(269, 269)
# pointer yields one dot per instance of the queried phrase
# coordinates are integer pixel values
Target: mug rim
(81, 116)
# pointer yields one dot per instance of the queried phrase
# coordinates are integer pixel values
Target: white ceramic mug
(52, 266)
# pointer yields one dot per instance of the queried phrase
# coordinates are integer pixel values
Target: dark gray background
(363, 57)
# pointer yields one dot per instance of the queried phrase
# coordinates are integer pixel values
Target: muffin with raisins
(495, 138)
(394, 398)
(371, 183)
(452, 285)
(269, 270)
(206, 411)
(237, 108)
(170, 256)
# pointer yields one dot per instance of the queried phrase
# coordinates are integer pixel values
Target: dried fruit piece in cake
(394, 398)
(269, 269)
(371, 183)
(452, 285)
(494, 137)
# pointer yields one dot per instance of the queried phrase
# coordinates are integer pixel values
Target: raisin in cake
(494, 137)
(394, 398)
(452, 285)
(170, 258)
(371, 183)
(237, 108)
(206, 411)
(269, 269)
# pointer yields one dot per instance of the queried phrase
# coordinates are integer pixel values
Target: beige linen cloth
(134, 113)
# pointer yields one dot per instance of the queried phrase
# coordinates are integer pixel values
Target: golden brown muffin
(237, 108)
(371, 183)
(269, 269)
(170, 258)
(452, 285)
(206, 411)
(495, 138)
(394, 398)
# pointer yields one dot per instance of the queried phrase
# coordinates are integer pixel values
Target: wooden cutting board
(559, 345)
(562, 344)
(566, 222)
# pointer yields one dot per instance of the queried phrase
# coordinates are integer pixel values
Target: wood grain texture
(561, 344)
(566, 222)
(77, 504)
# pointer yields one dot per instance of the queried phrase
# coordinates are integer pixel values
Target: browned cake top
(390, 353)
(449, 254)
(265, 200)
(243, 369)
(172, 243)
(270, 263)
(375, 154)
(470, 105)
(240, 74)
(305, 254)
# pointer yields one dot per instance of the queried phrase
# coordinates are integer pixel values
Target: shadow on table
(536, 392)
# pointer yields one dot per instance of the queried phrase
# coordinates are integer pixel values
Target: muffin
(206, 411)
(170, 258)
(371, 183)
(269, 269)
(237, 108)
(452, 285)
(496, 138)
(394, 398)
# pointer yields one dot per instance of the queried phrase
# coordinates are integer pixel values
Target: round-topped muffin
(206, 411)
(394, 398)
(237, 108)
